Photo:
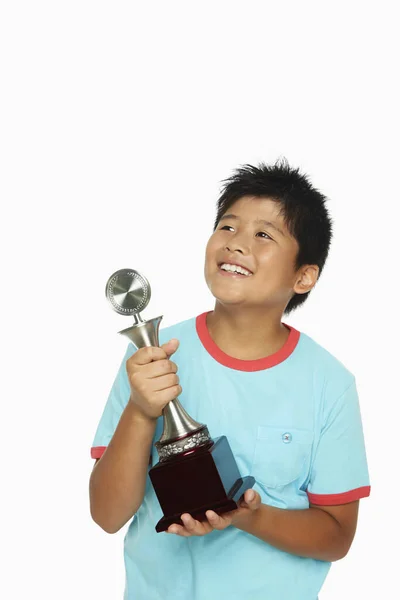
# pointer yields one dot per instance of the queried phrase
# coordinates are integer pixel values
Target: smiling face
(253, 234)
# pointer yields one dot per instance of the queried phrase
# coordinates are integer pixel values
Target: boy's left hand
(250, 503)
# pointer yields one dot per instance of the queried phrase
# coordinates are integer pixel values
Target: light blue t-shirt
(293, 422)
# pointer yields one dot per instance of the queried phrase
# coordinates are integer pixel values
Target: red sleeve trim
(344, 498)
(97, 451)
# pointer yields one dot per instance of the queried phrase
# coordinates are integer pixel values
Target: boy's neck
(246, 334)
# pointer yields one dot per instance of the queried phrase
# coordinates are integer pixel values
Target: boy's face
(265, 248)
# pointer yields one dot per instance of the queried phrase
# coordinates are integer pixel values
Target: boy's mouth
(233, 270)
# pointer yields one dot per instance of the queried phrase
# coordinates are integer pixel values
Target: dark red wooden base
(205, 479)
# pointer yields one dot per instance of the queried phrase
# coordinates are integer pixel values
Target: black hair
(302, 207)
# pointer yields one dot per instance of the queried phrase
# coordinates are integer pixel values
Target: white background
(118, 123)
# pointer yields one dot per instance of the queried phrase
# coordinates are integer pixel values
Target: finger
(218, 521)
(171, 346)
(249, 495)
(146, 355)
(156, 368)
(193, 526)
(163, 383)
(178, 530)
(252, 499)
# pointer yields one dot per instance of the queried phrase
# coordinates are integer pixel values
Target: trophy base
(205, 479)
(243, 484)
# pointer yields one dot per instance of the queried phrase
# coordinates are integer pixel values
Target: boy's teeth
(234, 268)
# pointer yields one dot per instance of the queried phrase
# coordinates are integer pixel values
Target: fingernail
(251, 495)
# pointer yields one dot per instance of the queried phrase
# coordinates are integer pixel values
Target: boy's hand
(153, 379)
(250, 503)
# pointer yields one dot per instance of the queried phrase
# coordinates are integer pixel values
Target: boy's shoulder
(323, 362)
(177, 330)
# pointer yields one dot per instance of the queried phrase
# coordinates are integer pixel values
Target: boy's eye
(260, 232)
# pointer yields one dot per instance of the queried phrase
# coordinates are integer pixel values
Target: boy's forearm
(117, 483)
(311, 532)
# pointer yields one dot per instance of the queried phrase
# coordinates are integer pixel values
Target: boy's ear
(307, 277)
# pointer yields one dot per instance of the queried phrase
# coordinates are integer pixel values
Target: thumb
(171, 346)
(252, 499)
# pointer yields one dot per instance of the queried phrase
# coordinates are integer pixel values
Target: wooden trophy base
(206, 478)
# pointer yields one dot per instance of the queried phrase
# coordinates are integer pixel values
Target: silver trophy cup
(129, 293)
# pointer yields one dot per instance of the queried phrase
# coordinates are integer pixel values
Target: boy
(288, 408)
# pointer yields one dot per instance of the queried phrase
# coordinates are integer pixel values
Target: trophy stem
(177, 422)
(180, 430)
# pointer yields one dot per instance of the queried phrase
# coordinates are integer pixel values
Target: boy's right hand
(153, 379)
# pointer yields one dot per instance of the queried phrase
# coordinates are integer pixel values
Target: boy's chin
(226, 296)
(229, 300)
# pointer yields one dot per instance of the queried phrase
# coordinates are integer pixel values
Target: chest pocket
(281, 455)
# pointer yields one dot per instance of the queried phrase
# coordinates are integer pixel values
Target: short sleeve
(339, 473)
(115, 405)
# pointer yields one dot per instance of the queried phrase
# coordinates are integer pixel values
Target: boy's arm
(319, 532)
(323, 533)
(118, 479)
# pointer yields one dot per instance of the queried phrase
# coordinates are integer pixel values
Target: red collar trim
(237, 363)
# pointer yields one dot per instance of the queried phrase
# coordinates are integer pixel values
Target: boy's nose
(234, 248)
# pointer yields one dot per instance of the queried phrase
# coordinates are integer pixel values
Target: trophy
(194, 473)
